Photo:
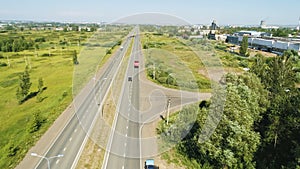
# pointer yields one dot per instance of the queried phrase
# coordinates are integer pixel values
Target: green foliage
(154, 45)
(145, 46)
(108, 51)
(40, 84)
(24, 86)
(280, 125)
(12, 149)
(3, 64)
(36, 122)
(40, 90)
(56, 71)
(119, 43)
(281, 32)
(172, 63)
(40, 39)
(75, 60)
(234, 142)
(244, 46)
(15, 44)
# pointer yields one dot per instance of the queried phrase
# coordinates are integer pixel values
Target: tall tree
(75, 60)
(234, 142)
(40, 85)
(244, 46)
(36, 122)
(280, 126)
(24, 85)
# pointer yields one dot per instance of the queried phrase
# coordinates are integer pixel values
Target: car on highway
(149, 164)
(129, 78)
(136, 64)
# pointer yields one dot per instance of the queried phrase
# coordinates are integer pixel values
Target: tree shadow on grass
(33, 94)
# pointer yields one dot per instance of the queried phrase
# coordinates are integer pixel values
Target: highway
(129, 142)
(72, 138)
(123, 149)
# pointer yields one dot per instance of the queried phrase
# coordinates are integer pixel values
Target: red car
(136, 64)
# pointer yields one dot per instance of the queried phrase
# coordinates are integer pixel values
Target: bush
(2, 64)
(12, 149)
(203, 84)
(41, 39)
(36, 122)
(108, 51)
(244, 63)
(46, 55)
(162, 80)
(298, 77)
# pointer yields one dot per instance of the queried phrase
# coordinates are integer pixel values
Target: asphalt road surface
(71, 140)
(124, 143)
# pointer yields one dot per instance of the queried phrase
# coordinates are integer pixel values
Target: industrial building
(257, 40)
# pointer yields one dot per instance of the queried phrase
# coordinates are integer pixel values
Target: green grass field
(174, 64)
(61, 79)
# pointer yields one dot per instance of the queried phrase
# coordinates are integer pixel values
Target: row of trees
(15, 45)
(280, 32)
(259, 127)
(279, 129)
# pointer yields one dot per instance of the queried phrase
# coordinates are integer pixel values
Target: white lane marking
(75, 130)
(70, 139)
(65, 149)
(127, 127)
(124, 154)
(123, 167)
(125, 144)
(126, 135)
(57, 161)
(108, 147)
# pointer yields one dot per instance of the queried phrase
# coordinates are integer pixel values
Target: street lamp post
(47, 158)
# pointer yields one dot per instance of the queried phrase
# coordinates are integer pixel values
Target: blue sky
(248, 12)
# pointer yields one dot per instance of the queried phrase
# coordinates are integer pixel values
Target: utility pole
(8, 62)
(168, 112)
(25, 59)
(154, 72)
